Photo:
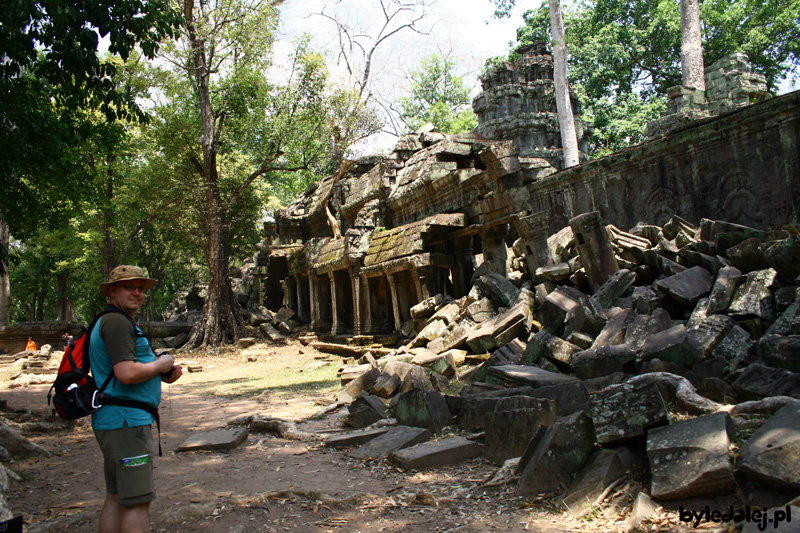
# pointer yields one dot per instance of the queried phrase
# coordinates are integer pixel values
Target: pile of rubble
(659, 346)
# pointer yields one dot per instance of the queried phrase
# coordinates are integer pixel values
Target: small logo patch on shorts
(132, 462)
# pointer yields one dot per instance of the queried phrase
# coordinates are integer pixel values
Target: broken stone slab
(556, 308)
(475, 412)
(780, 352)
(780, 523)
(624, 412)
(556, 273)
(689, 286)
(604, 466)
(417, 378)
(747, 255)
(508, 432)
(437, 362)
(705, 335)
(362, 383)
(736, 347)
(354, 438)
(772, 454)
(365, 411)
(396, 438)
(481, 310)
(348, 373)
(427, 306)
(759, 381)
(453, 339)
(645, 300)
(448, 451)
(614, 331)
(727, 281)
(555, 454)
(755, 296)
(644, 508)
(433, 330)
(786, 296)
(643, 326)
(500, 287)
(227, 439)
(560, 353)
(604, 360)
(485, 337)
(423, 408)
(616, 286)
(521, 375)
(718, 390)
(788, 323)
(448, 313)
(271, 332)
(784, 256)
(691, 458)
(594, 247)
(594, 385)
(568, 396)
(670, 345)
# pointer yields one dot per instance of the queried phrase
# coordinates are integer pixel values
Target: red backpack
(76, 393)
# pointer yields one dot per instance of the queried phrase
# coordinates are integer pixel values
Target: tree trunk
(569, 139)
(62, 302)
(5, 285)
(221, 319)
(691, 46)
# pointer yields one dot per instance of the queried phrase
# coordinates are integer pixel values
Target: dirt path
(267, 483)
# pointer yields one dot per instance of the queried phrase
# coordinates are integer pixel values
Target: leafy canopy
(437, 96)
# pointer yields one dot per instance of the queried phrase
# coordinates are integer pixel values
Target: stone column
(313, 298)
(335, 325)
(532, 230)
(366, 301)
(302, 310)
(425, 281)
(356, 290)
(495, 251)
(594, 247)
(395, 305)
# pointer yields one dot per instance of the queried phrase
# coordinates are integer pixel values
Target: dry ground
(268, 484)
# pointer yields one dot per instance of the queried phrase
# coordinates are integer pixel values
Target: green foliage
(624, 55)
(437, 96)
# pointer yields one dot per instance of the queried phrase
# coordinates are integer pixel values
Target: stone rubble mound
(665, 347)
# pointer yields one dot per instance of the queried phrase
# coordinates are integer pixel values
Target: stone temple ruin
(353, 254)
(585, 341)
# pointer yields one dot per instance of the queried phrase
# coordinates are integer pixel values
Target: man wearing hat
(118, 345)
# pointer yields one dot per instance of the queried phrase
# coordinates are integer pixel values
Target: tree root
(688, 398)
(283, 428)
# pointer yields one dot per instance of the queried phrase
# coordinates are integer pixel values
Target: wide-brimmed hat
(126, 273)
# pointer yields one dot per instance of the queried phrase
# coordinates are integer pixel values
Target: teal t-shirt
(119, 328)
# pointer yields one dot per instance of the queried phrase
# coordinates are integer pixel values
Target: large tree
(437, 95)
(250, 127)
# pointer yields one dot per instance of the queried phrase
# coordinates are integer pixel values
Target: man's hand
(172, 377)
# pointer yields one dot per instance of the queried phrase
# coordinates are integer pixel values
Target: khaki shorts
(128, 463)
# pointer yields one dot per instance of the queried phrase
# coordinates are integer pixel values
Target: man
(30, 346)
(124, 433)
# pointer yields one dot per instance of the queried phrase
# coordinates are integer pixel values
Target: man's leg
(116, 518)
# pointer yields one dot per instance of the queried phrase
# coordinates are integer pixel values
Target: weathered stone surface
(520, 376)
(788, 323)
(780, 352)
(568, 396)
(363, 382)
(485, 337)
(736, 347)
(603, 361)
(552, 457)
(476, 411)
(556, 308)
(691, 458)
(500, 287)
(422, 408)
(481, 310)
(455, 338)
(718, 390)
(396, 438)
(728, 280)
(625, 412)
(772, 454)
(705, 335)
(604, 466)
(354, 438)
(614, 330)
(417, 378)
(214, 440)
(784, 256)
(689, 286)
(437, 362)
(759, 381)
(386, 385)
(365, 411)
(426, 307)
(643, 326)
(451, 450)
(670, 345)
(755, 296)
(617, 285)
(508, 432)
(779, 515)
(594, 247)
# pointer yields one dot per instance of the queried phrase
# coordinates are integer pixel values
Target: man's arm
(131, 372)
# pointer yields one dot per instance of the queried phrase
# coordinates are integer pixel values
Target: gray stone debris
(772, 454)
(691, 458)
(435, 454)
